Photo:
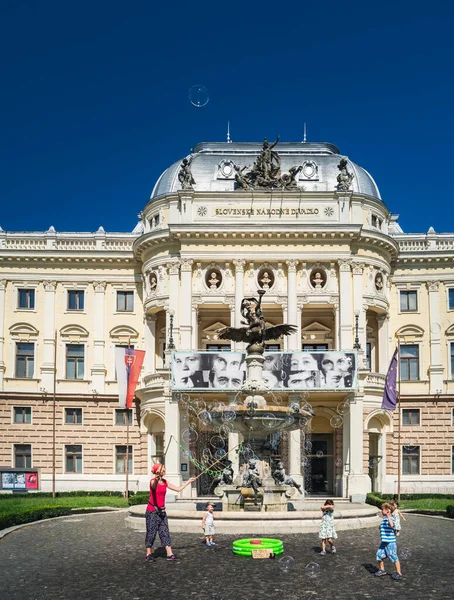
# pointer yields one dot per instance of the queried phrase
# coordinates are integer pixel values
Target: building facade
(332, 260)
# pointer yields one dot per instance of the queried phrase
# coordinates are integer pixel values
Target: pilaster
(98, 370)
(345, 298)
(48, 366)
(3, 284)
(293, 342)
(185, 321)
(436, 368)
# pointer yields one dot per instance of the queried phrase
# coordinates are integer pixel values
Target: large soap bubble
(312, 570)
(198, 95)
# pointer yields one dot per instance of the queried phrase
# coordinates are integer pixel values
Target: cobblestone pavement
(96, 557)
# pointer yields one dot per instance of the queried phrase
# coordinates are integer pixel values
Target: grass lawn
(13, 504)
(426, 504)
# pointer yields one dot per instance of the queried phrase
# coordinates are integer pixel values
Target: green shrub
(450, 511)
(139, 498)
(79, 493)
(32, 514)
(375, 500)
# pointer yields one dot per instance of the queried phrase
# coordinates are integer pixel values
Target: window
(218, 347)
(26, 299)
(314, 347)
(451, 356)
(76, 299)
(75, 361)
(452, 460)
(411, 416)
(408, 301)
(376, 222)
(410, 460)
(272, 347)
(120, 459)
(120, 416)
(158, 456)
(22, 456)
(22, 414)
(369, 356)
(25, 360)
(73, 416)
(451, 299)
(73, 459)
(125, 301)
(409, 362)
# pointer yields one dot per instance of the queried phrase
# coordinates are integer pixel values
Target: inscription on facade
(266, 212)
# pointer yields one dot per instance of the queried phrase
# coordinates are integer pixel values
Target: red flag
(128, 362)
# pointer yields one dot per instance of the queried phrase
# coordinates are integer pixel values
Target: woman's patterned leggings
(157, 524)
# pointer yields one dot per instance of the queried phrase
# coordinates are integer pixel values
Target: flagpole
(127, 439)
(399, 418)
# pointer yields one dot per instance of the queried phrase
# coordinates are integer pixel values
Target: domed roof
(211, 167)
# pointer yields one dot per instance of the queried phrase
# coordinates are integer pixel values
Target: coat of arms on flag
(128, 363)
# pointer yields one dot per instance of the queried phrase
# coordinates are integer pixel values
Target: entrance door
(321, 460)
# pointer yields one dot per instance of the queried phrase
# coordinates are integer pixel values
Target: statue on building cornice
(241, 179)
(185, 175)
(345, 178)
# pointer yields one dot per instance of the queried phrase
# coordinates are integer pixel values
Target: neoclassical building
(297, 220)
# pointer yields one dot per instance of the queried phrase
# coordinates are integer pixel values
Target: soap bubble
(217, 442)
(247, 452)
(336, 421)
(189, 436)
(269, 421)
(205, 417)
(312, 570)
(288, 420)
(373, 463)
(405, 553)
(224, 430)
(304, 461)
(338, 462)
(228, 415)
(198, 95)
(308, 446)
(286, 563)
(319, 454)
(343, 408)
(220, 453)
(176, 396)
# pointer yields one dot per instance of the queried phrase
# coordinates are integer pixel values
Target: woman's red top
(157, 496)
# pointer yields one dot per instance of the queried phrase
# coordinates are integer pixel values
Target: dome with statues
(227, 166)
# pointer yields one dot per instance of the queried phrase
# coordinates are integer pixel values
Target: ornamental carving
(433, 286)
(358, 268)
(345, 265)
(291, 264)
(379, 283)
(345, 178)
(99, 286)
(318, 278)
(185, 177)
(173, 268)
(239, 265)
(265, 278)
(50, 286)
(213, 278)
(3, 283)
(186, 265)
(266, 171)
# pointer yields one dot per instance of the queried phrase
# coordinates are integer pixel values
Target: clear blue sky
(94, 98)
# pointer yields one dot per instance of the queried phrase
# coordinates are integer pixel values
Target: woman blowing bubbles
(156, 517)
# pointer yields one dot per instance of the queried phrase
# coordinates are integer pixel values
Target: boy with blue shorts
(388, 546)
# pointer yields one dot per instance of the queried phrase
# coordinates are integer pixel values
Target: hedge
(450, 511)
(33, 514)
(139, 498)
(80, 493)
(374, 500)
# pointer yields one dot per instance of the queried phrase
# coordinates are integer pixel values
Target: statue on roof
(345, 178)
(185, 175)
(241, 179)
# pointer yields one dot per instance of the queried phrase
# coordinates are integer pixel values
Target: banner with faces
(317, 370)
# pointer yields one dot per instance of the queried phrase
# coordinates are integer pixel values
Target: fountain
(256, 412)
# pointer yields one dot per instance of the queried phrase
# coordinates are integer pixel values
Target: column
(47, 367)
(172, 428)
(293, 342)
(345, 305)
(98, 370)
(239, 295)
(436, 368)
(150, 343)
(383, 341)
(359, 483)
(174, 302)
(185, 321)
(3, 283)
(195, 327)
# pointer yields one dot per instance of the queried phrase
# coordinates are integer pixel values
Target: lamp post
(356, 345)
(171, 314)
